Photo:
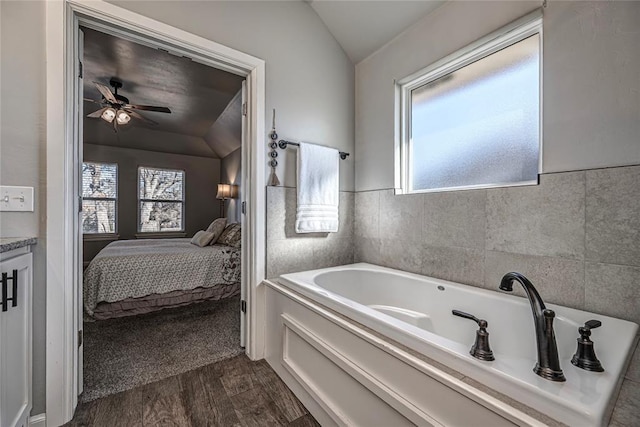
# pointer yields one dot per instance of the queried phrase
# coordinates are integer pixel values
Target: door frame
(62, 20)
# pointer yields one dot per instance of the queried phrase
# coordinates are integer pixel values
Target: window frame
(506, 36)
(102, 236)
(182, 202)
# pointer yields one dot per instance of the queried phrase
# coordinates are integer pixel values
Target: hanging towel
(318, 186)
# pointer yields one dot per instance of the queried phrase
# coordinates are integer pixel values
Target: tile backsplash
(576, 236)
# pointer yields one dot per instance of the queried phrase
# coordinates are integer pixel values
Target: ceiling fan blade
(92, 100)
(150, 108)
(140, 117)
(106, 92)
(97, 114)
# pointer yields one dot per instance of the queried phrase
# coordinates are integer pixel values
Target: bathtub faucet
(548, 365)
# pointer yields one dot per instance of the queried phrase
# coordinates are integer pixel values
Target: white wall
(309, 82)
(22, 149)
(309, 77)
(591, 81)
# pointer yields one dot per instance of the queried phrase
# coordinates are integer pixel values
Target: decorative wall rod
(283, 144)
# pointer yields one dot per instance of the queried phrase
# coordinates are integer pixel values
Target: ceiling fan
(116, 108)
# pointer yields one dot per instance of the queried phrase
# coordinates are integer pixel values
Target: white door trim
(62, 19)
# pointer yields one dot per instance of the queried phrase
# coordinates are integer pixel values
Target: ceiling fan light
(108, 115)
(123, 117)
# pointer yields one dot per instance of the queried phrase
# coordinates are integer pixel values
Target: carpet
(120, 354)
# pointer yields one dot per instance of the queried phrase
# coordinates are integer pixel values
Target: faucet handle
(585, 331)
(481, 349)
(469, 316)
(585, 356)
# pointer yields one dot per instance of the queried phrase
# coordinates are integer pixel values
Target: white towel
(318, 186)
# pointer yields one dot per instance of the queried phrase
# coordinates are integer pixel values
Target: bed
(130, 277)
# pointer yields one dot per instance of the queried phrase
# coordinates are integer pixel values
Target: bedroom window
(99, 197)
(161, 200)
(472, 120)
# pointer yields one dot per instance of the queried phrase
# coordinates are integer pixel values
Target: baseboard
(39, 420)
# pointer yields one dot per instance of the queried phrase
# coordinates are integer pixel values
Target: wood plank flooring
(232, 392)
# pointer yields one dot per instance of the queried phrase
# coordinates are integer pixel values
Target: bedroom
(152, 179)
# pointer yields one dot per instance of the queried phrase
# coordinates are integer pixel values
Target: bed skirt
(156, 302)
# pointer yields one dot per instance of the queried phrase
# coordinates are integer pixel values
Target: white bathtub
(415, 311)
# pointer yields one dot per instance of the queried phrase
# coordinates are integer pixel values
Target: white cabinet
(15, 340)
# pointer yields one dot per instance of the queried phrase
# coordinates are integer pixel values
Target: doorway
(63, 177)
(161, 139)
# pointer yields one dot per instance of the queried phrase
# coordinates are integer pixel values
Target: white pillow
(202, 238)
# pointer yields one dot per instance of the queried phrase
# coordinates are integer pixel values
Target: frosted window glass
(478, 125)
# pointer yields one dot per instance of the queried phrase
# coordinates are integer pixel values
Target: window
(472, 120)
(99, 197)
(161, 200)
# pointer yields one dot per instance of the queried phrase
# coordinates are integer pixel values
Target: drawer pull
(5, 283)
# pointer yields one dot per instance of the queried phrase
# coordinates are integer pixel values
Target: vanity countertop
(10, 243)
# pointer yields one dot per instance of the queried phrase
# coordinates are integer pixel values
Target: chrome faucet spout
(548, 365)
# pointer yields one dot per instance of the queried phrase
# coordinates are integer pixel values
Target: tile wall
(289, 252)
(576, 236)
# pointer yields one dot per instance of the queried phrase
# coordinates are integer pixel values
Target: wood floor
(233, 392)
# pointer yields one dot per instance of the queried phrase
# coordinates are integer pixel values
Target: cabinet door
(15, 357)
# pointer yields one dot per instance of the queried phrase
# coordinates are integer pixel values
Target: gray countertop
(11, 243)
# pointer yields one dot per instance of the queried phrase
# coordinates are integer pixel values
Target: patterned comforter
(138, 268)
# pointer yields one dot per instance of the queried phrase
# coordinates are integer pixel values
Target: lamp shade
(227, 191)
(108, 115)
(224, 192)
(122, 117)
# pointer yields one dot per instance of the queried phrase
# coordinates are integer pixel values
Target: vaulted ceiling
(202, 99)
(362, 27)
(205, 103)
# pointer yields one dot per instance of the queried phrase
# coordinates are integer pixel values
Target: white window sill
(161, 235)
(99, 237)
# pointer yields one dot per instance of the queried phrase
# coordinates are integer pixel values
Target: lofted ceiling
(362, 27)
(196, 94)
(205, 103)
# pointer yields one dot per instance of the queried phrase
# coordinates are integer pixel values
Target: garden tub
(416, 311)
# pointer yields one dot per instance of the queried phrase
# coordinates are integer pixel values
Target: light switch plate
(16, 199)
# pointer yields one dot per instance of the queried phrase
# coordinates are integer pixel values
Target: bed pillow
(231, 236)
(202, 238)
(216, 227)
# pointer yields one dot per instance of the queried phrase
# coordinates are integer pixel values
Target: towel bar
(283, 144)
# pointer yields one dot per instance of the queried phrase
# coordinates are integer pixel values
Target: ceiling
(196, 94)
(205, 103)
(362, 27)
